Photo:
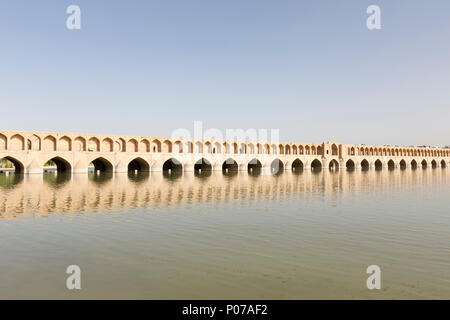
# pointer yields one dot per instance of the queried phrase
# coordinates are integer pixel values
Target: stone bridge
(77, 153)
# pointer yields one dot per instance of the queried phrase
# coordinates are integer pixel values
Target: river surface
(290, 236)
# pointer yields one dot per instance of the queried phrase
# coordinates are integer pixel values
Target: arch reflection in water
(59, 193)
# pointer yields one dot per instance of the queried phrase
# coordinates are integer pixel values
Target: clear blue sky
(310, 68)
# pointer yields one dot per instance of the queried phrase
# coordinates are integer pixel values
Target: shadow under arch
(378, 165)
(202, 168)
(18, 166)
(333, 165)
(443, 164)
(297, 166)
(316, 165)
(402, 164)
(433, 164)
(62, 165)
(365, 165)
(172, 168)
(277, 166)
(391, 165)
(138, 164)
(424, 164)
(230, 167)
(103, 165)
(414, 164)
(254, 167)
(350, 165)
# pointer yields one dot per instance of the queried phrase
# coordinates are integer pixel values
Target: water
(291, 236)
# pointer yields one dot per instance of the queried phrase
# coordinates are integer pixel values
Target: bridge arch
(287, 149)
(138, 164)
(316, 165)
(424, 164)
(433, 164)
(62, 165)
(132, 145)
(230, 165)
(17, 142)
(108, 145)
(333, 165)
(18, 165)
(414, 164)
(334, 150)
(443, 164)
(3, 142)
(391, 164)
(80, 144)
(378, 165)
(144, 145)
(365, 165)
(102, 164)
(277, 166)
(34, 143)
(49, 143)
(156, 145)
(198, 147)
(297, 165)
(350, 165)
(93, 144)
(202, 165)
(65, 144)
(172, 166)
(402, 164)
(254, 166)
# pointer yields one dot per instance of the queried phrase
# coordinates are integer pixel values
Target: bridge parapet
(73, 152)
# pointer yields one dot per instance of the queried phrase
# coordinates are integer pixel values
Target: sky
(311, 69)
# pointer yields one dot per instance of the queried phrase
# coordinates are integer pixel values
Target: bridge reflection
(60, 194)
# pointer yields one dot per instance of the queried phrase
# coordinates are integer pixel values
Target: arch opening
(316, 165)
(254, 167)
(57, 164)
(378, 165)
(433, 164)
(277, 166)
(443, 164)
(172, 167)
(414, 164)
(297, 165)
(402, 165)
(10, 164)
(230, 165)
(138, 164)
(101, 164)
(333, 165)
(391, 165)
(365, 165)
(202, 167)
(424, 164)
(350, 165)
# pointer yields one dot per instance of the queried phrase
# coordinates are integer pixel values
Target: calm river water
(291, 236)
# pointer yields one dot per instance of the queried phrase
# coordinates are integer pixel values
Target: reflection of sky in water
(307, 235)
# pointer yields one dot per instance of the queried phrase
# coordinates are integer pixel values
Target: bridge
(80, 153)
